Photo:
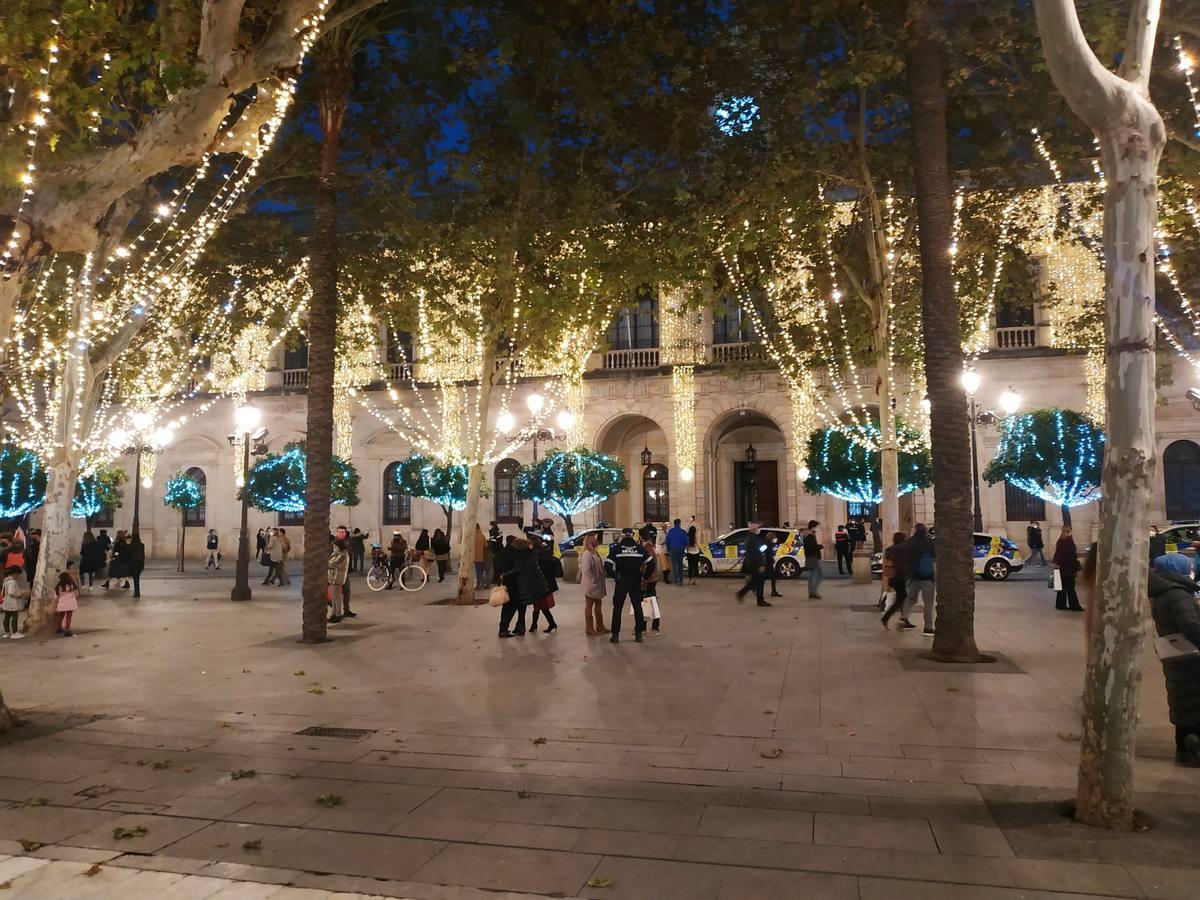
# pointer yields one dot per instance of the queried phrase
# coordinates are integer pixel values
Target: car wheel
(997, 570)
(787, 568)
(705, 566)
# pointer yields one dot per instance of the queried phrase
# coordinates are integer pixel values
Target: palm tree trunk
(955, 638)
(333, 70)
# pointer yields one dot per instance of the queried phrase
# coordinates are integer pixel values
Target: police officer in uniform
(754, 564)
(629, 559)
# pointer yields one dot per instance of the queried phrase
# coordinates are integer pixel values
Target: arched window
(1020, 506)
(508, 505)
(397, 505)
(195, 517)
(656, 500)
(1181, 479)
(636, 326)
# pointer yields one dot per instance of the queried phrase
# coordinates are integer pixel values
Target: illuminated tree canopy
(1055, 454)
(183, 492)
(97, 491)
(839, 463)
(22, 482)
(567, 482)
(277, 482)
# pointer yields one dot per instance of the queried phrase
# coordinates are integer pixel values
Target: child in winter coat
(67, 594)
(14, 601)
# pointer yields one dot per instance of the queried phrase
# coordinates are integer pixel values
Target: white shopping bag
(1057, 583)
(650, 607)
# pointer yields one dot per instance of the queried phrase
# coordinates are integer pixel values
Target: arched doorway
(748, 454)
(641, 445)
(1181, 480)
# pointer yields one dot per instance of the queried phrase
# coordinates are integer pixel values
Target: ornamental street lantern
(647, 456)
(751, 456)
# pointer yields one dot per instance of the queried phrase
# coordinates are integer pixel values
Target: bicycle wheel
(413, 578)
(377, 578)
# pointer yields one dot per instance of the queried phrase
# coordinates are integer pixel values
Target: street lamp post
(246, 420)
(1010, 402)
(138, 442)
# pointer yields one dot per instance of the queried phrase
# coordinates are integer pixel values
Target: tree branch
(1139, 43)
(1093, 92)
(220, 23)
(1182, 137)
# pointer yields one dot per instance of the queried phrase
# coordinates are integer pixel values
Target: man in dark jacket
(630, 561)
(754, 565)
(1033, 537)
(812, 560)
(1173, 605)
(919, 566)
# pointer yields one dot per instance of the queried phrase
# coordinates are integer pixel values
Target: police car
(725, 553)
(996, 557)
(605, 536)
(1178, 537)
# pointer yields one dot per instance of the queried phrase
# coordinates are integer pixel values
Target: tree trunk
(182, 535)
(1132, 137)
(1066, 515)
(955, 638)
(570, 525)
(889, 457)
(449, 511)
(333, 70)
(56, 547)
(466, 554)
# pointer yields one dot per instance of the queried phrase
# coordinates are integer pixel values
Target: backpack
(925, 567)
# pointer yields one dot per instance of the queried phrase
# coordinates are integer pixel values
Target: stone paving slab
(742, 753)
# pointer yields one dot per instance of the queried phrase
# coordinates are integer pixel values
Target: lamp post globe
(566, 420)
(505, 422)
(246, 420)
(535, 402)
(1010, 402)
(971, 379)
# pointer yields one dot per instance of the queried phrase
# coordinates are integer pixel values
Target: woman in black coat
(119, 566)
(551, 569)
(1173, 605)
(525, 584)
(91, 559)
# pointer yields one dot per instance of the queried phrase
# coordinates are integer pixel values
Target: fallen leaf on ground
(329, 800)
(771, 754)
(36, 801)
(599, 881)
(315, 690)
(1068, 736)
(538, 741)
(255, 844)
(92, 872)
(120, 834)
(518, 765)
(239, 774)
(29, 846)
(161, 764)
(524, 795)
(300, 673)
(952, 690)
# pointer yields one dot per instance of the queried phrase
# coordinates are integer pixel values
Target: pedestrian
(592, 578)
(772, 547)
(213, 544)
(397, 556)
(481, 547)
(16, 553)
(677, 543)
(423, 553)
(895, 579)
(358, 550)
(15, 595)
(66, 601)
(343, 535)
(270, 553)
(91, 558)
(260, 544)
(812, 560)
(337, 573)
(919, 568)
(105, 542)
(1033, 537)
(137, 563)
(858, 534)
(650, 579)
(877, 535)
(1066, 563)
(1158, 543)
(754, 565)
(495, 548)
(439, 545)
(551, 569)
(1173, 606)
(31, 554)
(285, 553)
(844, 550)
(630, 559)
(693, 556)
(525, 584)
(118, 564)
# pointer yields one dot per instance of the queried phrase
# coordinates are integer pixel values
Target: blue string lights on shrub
(567, 482)
(98, 491)
(183, 492)
(840, 465)
(736, 115)
(420, 476)
(1054, 454)
(278, 481)
(22, 482)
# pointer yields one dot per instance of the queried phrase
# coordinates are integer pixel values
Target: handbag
(1055, 582)
(498, 596)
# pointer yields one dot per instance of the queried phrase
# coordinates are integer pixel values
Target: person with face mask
(754, 564)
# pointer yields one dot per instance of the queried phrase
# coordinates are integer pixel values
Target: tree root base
(969, 659)
(1141, 821)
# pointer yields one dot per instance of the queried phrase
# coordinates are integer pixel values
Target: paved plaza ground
(797, 751)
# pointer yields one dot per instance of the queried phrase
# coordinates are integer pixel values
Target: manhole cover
(345, 734)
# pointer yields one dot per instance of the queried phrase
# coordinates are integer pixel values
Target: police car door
(727, 551)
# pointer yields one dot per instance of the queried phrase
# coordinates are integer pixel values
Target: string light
(569, 482)
(1187, 65)
(1053, 454)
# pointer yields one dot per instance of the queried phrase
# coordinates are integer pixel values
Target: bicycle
(411, 577)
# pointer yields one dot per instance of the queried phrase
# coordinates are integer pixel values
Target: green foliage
(567, 482)
(1055, 454)
(840, 463)
(419, 476)
(99, 490)
(183, 492)
(278, 481)
(22, 482)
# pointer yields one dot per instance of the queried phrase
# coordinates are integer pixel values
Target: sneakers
(905, 624)
(927, 631)
(68, 633)
(1189, 754)
(6, 635)
(17, 636)
(350, 615)
(763, 603)
(334, 619)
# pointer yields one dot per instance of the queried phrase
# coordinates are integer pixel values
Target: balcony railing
(645, 358)
(399, 371)
(724, 353)
(295, 378)
(1020, 337)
